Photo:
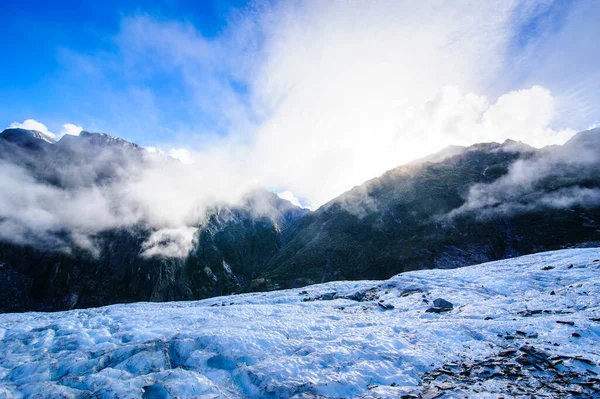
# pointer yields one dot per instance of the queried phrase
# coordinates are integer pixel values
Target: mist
(307, 99)
(540, 182)
(54, 206)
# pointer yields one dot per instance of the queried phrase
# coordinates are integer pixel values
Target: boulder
(442, 303)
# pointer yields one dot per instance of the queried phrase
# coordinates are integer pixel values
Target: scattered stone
(547, 267)
(552, 293)
(527, 313)
(410, 292)
(570, 266)
(437, 310)
(524, 360)
(328, 296)
(385, 306)
(570, 323)
(585, 383)
(489, 318)
(576, 335)
(535, 354)
(365, 296)
(574, 390)
(445, 386)
(442, 303)
(596, 260)
(579, 358)
(523, 333)
(431, 393)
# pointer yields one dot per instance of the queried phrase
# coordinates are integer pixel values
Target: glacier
(519, 327)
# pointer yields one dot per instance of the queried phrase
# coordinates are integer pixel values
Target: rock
(583, 360)
(527, 313)
(536, 355)
(431, 393)
(547, 267)
(524, 360)
(575, 390)
(385, 306)
(576, 335)
(507, 352)
(437, 310)
(570, 323)
(445, 386)
(552, 293)
(489, 318)
(442, 303)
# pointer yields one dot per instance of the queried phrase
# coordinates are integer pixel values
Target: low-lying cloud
(58, 207)
(307, 98)
(544, 181)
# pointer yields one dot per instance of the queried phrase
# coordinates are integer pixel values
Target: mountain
(231, 246)
(462, 206)
(482, 203)
(523, 327)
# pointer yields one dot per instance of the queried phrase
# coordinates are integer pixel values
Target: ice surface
(313, 341)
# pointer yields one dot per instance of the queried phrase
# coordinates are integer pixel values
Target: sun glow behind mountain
(313, 98)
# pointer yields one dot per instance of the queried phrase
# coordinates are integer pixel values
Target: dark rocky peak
(26, 138)
(96, 139)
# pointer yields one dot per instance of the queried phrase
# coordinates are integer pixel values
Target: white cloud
(289, 196)
(174, 243)
(181, 154)
(32, 124)
(69, 128)
(336, 93)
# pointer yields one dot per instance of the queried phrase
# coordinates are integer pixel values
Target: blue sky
(42, 41)
(307, 96)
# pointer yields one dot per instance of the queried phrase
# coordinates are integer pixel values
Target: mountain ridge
(440, 214)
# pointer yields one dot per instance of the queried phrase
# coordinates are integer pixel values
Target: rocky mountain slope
(458, 207)
(482, 203)
(231, 246)
(523, 327)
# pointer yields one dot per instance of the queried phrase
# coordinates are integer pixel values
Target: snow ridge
(366, 339)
